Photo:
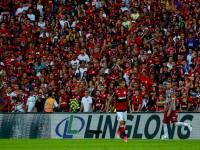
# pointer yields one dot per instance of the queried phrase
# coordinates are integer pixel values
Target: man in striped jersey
(170, 111)
(122, 104)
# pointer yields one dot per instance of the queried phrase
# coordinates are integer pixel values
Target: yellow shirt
(73, 35)
(48, 106)
(126, 24)
(135, 16)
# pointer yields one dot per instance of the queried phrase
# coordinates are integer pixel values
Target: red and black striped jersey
(121, 99)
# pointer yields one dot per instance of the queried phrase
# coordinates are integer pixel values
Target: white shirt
(124, 9)
(74, 24)
(98, 4)
(80, 32)
(86, 103)
(20, 10)
(55, 104)
(13, 94)
(126, 77)
(82, 70)
(41, 24)
(31, 17)
(174, 39)
(169, 66)
(18, 108)
(144, 103)
(42, 35)
(189, 58)
(87, 35)
(40, 9)
(62, 23)
(74, 61)
(104, 15)
(84, 58)
(106, 71)
(31, 103)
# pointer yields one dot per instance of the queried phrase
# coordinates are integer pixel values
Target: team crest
(124, 92)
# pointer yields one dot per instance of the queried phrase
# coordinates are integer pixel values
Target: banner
(139, 125)
(80, 125)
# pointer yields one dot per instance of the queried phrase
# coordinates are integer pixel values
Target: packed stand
(76, 51)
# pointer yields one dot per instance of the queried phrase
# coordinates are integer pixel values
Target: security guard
(50, 103)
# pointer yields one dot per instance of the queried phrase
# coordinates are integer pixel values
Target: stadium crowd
(78, 50)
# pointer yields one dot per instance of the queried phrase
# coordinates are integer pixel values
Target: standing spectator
(123, 7)
(82, 68)
(3, 29)
(86, 103)
(50, 103)
(21, 8)
(40, 7)
(64, 100)
(190, 57)
(2, 104)
(151, 105)
(98, 104)
(39, 104)
(136, 101)
(191, 42)
(36, 12)
(145, 102)
(41, 23)
(30, 104)
(121, 39)
(64, 21)
(18, 106)
(83, 56)
(185, 67)
(74, 60)
(160, 103)
(30, 15)
(145, 79)
(135, 15)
